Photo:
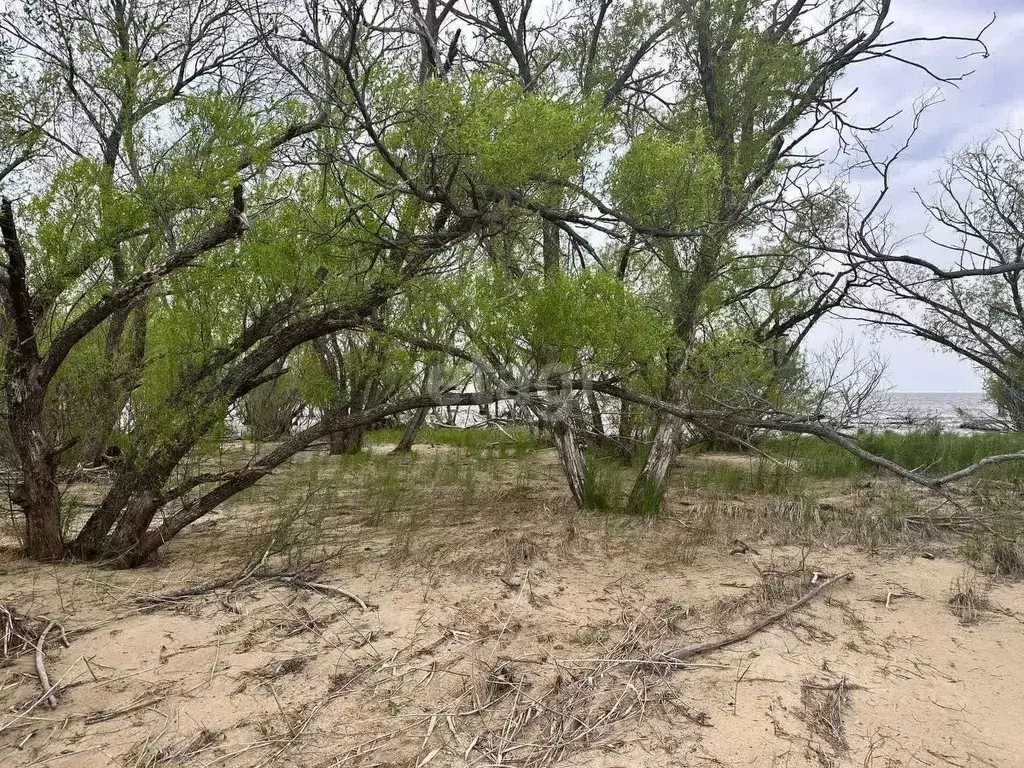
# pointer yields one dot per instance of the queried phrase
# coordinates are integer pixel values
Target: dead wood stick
(317, 587)
(44, 679)
(100, 717)
(202, 589)
(153, 602)
(682, 654)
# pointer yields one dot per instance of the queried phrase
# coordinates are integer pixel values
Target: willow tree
(229, 243)
(117, 70)
(133, 174)
(751, 84)
(489, 129)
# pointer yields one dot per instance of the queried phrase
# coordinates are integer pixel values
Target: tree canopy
(311, 217)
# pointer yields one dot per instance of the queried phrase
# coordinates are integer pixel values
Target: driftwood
(683, 654)
(292, 579)
(44, 679)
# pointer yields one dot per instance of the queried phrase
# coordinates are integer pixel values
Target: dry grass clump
(1008, 558)
(18, 633)
(180, 752)
(572, 712)
(781, 586)
(519, 550)
(280, 667)
(824, 706)
(968, 599)
(494, 683)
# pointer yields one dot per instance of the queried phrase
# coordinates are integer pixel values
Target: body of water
(907, 410)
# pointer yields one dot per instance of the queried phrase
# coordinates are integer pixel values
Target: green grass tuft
(928, 451)
(602, 485)
(506, 442)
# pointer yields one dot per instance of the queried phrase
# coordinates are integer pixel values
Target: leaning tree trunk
(91, 541)
(570, 455)
(645, 497)
(412, 429)
(558, 416)
(650, 484)
(419, 418)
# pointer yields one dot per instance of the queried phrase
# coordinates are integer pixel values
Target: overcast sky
(990, 99)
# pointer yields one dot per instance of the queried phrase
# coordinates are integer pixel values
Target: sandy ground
(502, 629)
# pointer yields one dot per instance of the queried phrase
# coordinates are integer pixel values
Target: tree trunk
(595, 413)
(645, 497)
(419, 418)
(90, 541)
(625, 422)
(25, 393)
(571, 458)
(43, 539)
(650, 484)
(346, 442)
(558, 416)
(411, 430)
(38, 493)
(132, 527)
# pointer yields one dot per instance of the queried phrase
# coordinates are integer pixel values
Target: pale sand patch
(493, 614)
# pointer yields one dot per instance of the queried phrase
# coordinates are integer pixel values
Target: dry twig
(44, 679)
(292, 579)
(683, 654)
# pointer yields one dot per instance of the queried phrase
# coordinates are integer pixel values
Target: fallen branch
(181, 594)
(806, 425)
(153, 602)
(103, 716)
(682, 654)
(316, 587)
(44, 679)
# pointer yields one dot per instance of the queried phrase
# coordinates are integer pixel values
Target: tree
(418, 194)
(966, 295)
(217, 285)
(756, 80)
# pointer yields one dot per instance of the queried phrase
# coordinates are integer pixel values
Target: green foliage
(668, 181)
(500, 136)
(759, 80)
(760, 474)
(932, 452)
(587, 320)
